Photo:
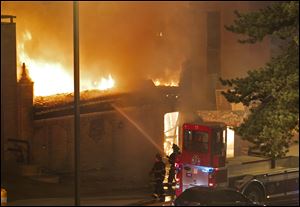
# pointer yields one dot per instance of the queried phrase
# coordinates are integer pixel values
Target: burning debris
(68, 98)
(102, 100)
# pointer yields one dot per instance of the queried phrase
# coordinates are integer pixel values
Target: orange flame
(159, 82)
(51, 77)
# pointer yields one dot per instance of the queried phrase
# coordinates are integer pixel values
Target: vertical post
(3, 138)
(76, 102)
(273, 162)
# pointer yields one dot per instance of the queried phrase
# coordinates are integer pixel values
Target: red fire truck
(203, 162)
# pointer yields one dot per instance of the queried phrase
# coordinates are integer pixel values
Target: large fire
(52, 77)
(159, 82)
(106, 83)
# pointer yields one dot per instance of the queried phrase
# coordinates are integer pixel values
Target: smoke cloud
(130, 40)
(134, 41)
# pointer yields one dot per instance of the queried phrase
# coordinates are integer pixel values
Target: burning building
(124, 129)
(118, 131)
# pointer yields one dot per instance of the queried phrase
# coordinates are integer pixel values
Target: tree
(271, 92)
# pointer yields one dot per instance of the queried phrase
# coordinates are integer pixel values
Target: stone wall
(230, 118)
(8, 88)
(111, 146)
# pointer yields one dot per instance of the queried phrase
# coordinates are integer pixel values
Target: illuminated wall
(170, 131)
(230, 143)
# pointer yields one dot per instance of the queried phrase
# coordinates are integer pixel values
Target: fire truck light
(211, 184)
(188, 174)
(206, 169)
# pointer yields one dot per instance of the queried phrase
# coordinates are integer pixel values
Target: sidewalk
(23, 191)
(87, 201)
(128, 197)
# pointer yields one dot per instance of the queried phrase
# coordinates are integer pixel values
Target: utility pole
(76, 101)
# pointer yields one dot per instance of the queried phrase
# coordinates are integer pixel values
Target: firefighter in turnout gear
(159, 171)
(172, 159)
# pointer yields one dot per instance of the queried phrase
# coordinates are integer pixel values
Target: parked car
(202, 195)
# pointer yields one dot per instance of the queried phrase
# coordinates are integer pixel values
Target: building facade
(8, 85)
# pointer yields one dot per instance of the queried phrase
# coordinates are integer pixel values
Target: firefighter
(172, 159)
(159, 172)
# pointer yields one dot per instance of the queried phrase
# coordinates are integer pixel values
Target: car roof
(205, 194)
(209, 189)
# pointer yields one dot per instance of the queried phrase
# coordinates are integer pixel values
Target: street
(33, 196)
